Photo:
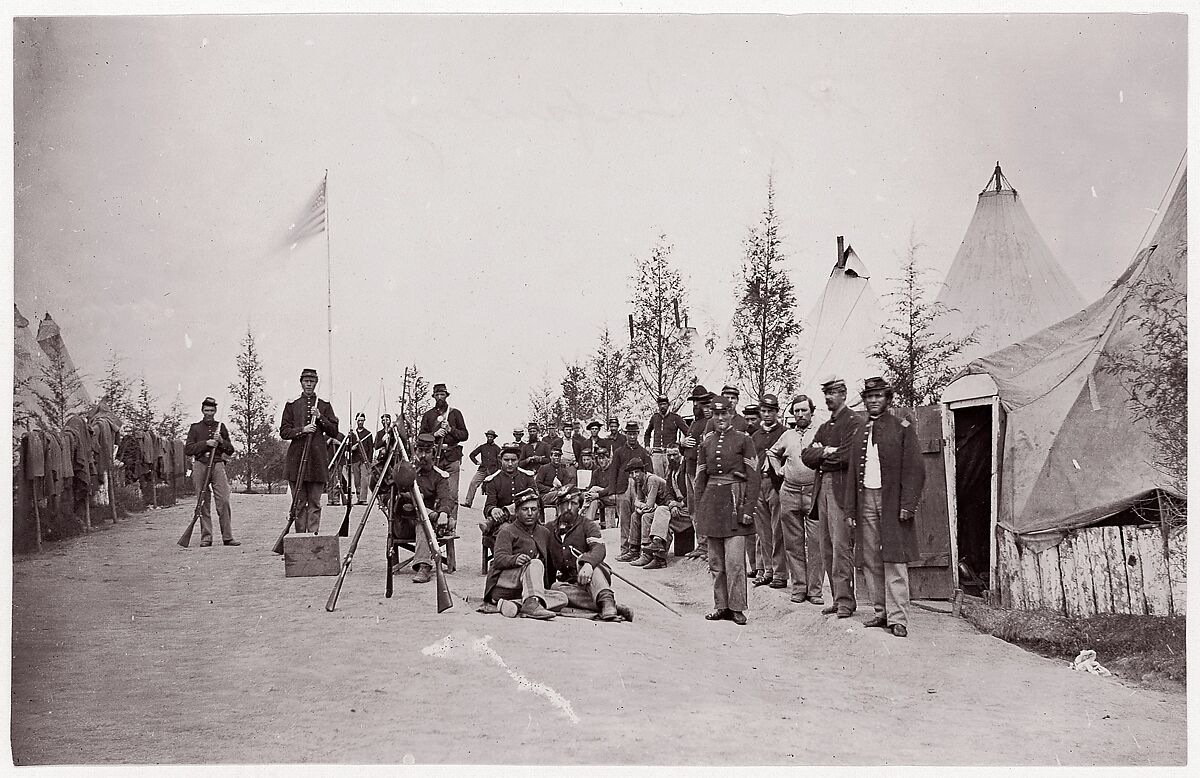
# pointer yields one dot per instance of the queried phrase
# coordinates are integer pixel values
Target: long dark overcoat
(902, 475)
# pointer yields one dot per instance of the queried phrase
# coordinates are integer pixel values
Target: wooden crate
(310, 555)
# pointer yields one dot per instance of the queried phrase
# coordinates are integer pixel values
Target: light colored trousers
(452, 471)
(659, 462)
(218, 488)
(558, 596)
(887, 582)
(766, 553)
(837, 547)
(727, 563)
(360, 473)
(476, 482)
(581, 597)
(801, 540)
(656, 523)
(624, 509)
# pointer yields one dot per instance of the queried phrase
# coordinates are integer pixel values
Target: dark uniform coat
(198, 436)
(291, 424)
(840, 430)
(453, 439)
(511, 541)
(362, 445)
(534, 454)
(729, 454)
(544, 480)
(663, 430)
(902, 475)
(499, 488)
(574, 531)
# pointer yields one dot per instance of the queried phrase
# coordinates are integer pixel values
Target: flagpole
(328, 286)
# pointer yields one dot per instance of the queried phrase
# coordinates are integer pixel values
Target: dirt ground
(130, 649)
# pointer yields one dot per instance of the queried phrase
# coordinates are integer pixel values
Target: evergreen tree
(613, 377)
(252, 410)
(58, 397)
(116, 388)
(143, 413)
(578, 394)
(545, 406)
(918, 358)
(170, 424)
(661, 346)
(761, 353)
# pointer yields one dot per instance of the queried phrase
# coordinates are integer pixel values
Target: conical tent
(1072, 454)
(29, 361)
(1004, 283)
(841, 329)
(49, 337)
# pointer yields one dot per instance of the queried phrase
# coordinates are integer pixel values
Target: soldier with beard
(448, 428)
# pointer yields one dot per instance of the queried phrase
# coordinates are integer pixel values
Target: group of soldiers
(766, 503)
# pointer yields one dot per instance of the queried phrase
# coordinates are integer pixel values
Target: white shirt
(871, 477)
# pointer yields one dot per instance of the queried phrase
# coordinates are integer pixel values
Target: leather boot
(625, 612)
(645, 559)
(608, 605)
(628, 556)
(424, 573)
(532, 608)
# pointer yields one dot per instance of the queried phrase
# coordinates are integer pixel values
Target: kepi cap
(877, 384)
(208, 402)
(440, 388)
(770, 402)
(525, 496)
(308, 372)
(832, 382)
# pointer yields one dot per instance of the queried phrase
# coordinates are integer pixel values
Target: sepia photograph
(832, 366)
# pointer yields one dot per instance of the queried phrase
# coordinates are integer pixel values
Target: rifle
(185, 539)
(444, 600)
(331, 603)
(278, 547)
(344, 530)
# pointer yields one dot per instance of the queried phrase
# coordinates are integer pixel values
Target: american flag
(312, 222)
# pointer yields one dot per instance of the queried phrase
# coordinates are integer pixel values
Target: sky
(492, 179)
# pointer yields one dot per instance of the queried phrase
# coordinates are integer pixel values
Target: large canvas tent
(1004, 283)
(1071, 454)
(842, 328)
(29, 363)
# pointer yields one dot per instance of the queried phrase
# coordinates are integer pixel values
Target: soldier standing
(726, 495)
(308, 422)
(205, 437)
(448, 428)
(887, 477)
(829, 455)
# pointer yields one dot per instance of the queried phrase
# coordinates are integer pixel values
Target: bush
(129, 499)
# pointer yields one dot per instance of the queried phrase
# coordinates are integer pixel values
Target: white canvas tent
(842, 328)
(28, 363)
(1004, 283)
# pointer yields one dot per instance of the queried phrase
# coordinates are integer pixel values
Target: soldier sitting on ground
(517, 579)
(577, 556)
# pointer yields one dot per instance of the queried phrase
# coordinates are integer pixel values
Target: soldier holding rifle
(209, 438)
(434, 485)
(308, 422)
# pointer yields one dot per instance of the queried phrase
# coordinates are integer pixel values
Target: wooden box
(308, 555)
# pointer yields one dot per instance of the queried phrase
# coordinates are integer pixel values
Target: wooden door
(932, 577)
